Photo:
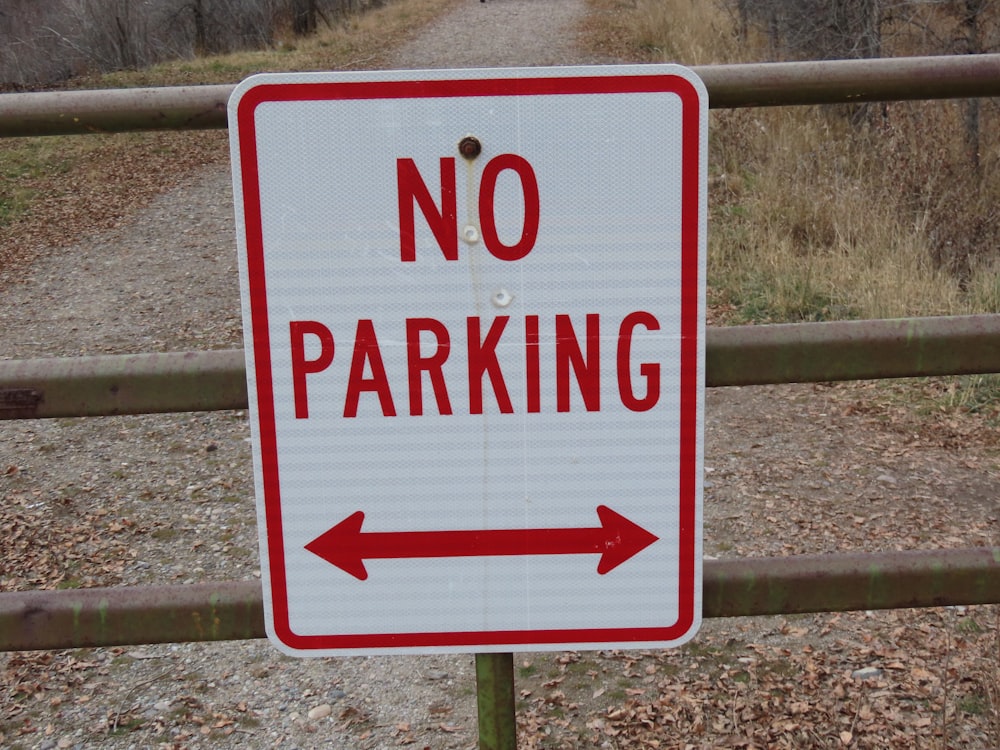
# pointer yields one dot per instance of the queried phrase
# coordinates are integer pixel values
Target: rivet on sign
(470, 147)
(502, 298)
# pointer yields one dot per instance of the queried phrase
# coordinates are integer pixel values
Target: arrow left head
(341, 546)
(621, 539)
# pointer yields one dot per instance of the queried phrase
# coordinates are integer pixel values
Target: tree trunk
(304, 17)
(973, 46)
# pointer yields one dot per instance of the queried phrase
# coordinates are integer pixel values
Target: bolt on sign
(474, 305)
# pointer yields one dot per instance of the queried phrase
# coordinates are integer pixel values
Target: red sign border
(690, 380)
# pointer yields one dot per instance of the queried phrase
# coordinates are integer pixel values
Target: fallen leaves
(112, 177)
(45, 550)
(795, 692)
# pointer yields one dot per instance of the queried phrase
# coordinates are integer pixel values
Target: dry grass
(689, 32)
(811, 221)
(358, 41)
(816, 218)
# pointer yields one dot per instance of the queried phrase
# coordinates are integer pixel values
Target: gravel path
(173, 495)
(499, 33)
(169, 499)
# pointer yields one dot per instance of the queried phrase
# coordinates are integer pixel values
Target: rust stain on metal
(19, 403)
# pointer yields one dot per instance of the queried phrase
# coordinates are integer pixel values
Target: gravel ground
(178, 489)
(500, 33)
(169, 499)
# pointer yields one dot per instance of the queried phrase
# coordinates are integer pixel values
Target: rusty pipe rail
(852, 350)
(729, 86)
(738, 587)
(113, 110)
(122, 384)
(739, 355)
(851, 81)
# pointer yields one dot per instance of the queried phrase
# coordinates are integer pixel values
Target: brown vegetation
(46, 41)
(894, 207)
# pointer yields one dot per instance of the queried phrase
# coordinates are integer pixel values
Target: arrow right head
(341, 546)
(622, 539)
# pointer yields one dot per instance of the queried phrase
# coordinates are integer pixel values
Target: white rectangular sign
(474, 318)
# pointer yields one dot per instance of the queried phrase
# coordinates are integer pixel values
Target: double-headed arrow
(346, 546)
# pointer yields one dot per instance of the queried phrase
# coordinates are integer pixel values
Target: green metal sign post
(495, 699)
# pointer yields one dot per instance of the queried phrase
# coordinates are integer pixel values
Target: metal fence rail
(740, 355)
(735, 587)
(729, 86)
(744, 355)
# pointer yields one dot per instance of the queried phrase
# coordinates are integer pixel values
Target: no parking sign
(474, 318)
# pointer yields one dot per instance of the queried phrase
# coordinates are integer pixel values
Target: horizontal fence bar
(113, 110)
(78, 618)
(851, 81)
(839, 583)
(122, 384)
(729, 86)
(739, 355)
(127, 615)
(852, 350)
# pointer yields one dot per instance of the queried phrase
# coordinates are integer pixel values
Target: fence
(203, 381)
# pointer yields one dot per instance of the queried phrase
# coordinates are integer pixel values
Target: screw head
(470, 147)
